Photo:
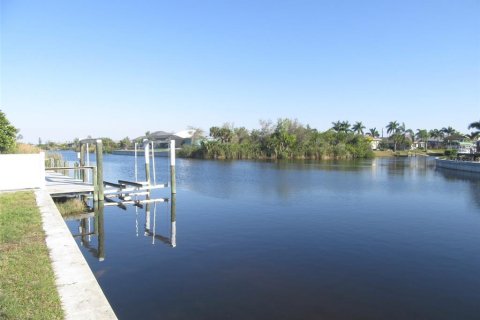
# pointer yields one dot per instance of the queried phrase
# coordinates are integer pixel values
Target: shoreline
(465, 166)
(80, 293)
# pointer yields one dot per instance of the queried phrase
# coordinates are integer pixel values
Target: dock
(57, 184)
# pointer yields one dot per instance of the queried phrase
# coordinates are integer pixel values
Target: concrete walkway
(80, 294)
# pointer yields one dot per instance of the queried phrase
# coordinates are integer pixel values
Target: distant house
(463, 147)
(417, 145)
(375, 143)
(435, 143)
(163, 138)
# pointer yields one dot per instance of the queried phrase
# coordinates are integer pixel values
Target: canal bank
(80, 293)
(468, 166)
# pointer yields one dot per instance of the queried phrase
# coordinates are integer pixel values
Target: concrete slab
(80, 294)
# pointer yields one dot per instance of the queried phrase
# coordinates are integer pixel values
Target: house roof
(185, 134)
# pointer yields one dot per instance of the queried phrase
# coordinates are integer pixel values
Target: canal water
(388, 238)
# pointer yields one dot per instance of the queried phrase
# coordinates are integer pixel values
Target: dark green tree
(422, 135)
(393, 128)
(358, 127)
(374, 132)
(475, 125)
(8, 134)
(125, 143)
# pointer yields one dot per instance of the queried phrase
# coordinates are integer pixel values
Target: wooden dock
(58, 184)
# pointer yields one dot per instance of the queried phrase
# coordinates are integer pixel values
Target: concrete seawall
(80, 294)
(467, 166)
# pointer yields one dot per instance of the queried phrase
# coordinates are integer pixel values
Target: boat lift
(124, 190)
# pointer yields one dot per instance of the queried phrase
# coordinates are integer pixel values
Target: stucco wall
(22, 171)
(458, 165)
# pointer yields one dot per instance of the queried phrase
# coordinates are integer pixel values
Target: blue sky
(119, 68)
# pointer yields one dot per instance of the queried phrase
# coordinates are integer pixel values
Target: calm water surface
(372, 239)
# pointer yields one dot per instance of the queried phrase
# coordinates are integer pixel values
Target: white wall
(22, 171)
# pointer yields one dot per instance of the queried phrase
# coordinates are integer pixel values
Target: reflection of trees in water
(226, 179)
(408, 165)
(471, 177)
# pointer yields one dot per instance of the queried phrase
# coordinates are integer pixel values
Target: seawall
(468, 166)
(80, 294)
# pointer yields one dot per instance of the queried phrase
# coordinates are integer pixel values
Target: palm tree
(358, 127)
(422, 135)
(337, 126)
(448, 131)
(473, 136)
(341, 126)
(345, 126)
(392, 127)
(475, 125)
(374, 133)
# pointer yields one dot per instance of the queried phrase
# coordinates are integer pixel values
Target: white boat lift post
(153, 164)
(173, 184)
(136, 170)
(146, 146)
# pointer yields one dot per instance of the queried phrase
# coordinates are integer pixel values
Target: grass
(27, 286)
(390, 153)
(26, 148)
(383, 153)
(71, 206)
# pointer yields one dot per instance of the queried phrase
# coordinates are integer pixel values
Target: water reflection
(152, 231)
(288, 179)
(91, 225)
(472, 178)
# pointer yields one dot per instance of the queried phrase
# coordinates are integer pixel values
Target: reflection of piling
(83, 232)
(173, 220)
(173, 183)
(99, 228)
(147, 218)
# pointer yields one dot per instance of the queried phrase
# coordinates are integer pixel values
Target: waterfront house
(162, 138)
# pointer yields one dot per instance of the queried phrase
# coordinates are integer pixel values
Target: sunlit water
(371, 239)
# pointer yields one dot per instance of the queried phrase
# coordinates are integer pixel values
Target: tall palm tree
(358, 127)
(448, 131)
(475, 125)
(422, 135)
(392, 128)
(374, 133)
(337, 126)
(345, 126)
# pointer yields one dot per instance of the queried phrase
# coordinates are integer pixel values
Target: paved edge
(80, 293)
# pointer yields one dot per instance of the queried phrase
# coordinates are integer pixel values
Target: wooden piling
(83, 176)
(95, 184)
(99, 149)
(173, 183)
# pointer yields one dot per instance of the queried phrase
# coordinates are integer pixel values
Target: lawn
(27, 286)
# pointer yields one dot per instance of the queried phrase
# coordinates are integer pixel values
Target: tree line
(285, 139)
(289, 139)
